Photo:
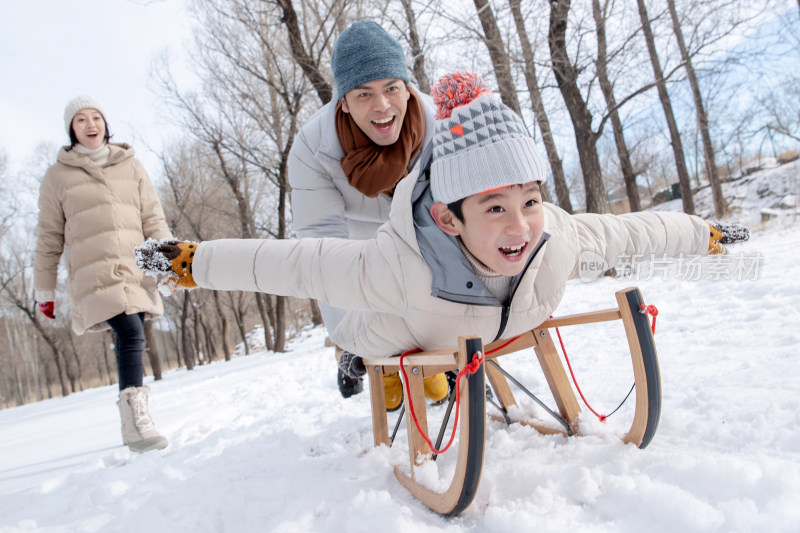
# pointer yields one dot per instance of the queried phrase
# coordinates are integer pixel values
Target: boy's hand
(170, 257)
(722, 233)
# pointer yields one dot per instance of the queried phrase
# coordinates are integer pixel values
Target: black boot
(350, 375)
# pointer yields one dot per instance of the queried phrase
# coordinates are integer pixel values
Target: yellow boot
(436, 388)
(393, 391)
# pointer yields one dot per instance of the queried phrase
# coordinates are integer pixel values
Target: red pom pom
(456, 89)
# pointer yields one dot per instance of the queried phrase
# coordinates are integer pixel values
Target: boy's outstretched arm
(653, 234)
(354, 275)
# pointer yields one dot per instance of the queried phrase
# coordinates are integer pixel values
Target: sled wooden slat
(472, 429)
(557, 378)
(418, 449)
(472, 416)
(380, 425)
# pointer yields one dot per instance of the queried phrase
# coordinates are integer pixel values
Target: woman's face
(89, 128)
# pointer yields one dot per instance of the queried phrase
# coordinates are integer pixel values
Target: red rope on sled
(470, 368)
(652, 311)
(644, 309)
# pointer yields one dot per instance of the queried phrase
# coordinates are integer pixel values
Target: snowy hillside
(265, 442)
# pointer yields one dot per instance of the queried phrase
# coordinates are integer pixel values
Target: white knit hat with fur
(75, 105)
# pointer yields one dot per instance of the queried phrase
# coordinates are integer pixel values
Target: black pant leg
(130, 347)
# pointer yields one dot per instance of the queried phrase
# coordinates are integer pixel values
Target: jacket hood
(454, 279)
(118, 152)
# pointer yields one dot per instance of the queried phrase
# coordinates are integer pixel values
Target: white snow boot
(138, 431)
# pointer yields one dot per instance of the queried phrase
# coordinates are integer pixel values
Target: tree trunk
(497, 53)
(238, 316)
(562, 190)
(263, 310)
(501, 65)
(316, 315)
(280, 323)
(416, 49)
(720, 207)
(663, 95)
(567, 79)
(628, 175)
(225, 329)
(76, 376)
(309, 65)
(186, 341)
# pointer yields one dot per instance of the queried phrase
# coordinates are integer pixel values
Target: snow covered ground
(265, 442)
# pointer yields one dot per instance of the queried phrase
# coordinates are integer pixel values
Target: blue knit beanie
(365, 52)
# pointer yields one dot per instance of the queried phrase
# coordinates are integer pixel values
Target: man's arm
(317, 205)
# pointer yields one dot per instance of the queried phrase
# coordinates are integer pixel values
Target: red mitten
(48, 309)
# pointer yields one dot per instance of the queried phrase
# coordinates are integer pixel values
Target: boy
(469, 246)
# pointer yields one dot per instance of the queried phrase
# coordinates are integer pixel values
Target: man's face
(378, 108)
(502, 226)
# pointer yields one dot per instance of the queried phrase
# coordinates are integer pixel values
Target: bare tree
(666, 105)
(415, 47)
(539, 111)
(628, 175)
(567, 79)
(720, 206)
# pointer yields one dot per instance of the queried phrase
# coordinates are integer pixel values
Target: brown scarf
(374, 169)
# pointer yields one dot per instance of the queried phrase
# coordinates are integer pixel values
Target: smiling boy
(469, 247)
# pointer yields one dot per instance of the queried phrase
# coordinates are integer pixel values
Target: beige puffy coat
(386, 283)
(96, 217)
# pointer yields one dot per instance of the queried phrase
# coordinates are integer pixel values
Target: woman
(97, 203)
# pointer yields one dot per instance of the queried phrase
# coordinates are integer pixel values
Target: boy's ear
(445, 219)
(345, 107)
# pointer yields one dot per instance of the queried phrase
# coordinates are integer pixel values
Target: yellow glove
(170, 257)
(722, 233)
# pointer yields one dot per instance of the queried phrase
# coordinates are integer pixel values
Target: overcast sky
(54, 50)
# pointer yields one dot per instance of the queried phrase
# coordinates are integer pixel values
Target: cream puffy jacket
(397, 300)
(96, 217)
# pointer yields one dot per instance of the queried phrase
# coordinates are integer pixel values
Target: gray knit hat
(75, 105)
(365, 52)
(478, 142)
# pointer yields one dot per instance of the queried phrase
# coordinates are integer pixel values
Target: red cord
(471, 368)
(602, 418)
(645, 309)
(652, 311)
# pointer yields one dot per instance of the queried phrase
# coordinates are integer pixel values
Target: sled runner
(476, 363)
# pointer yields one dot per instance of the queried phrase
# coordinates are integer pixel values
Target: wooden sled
(472, 415)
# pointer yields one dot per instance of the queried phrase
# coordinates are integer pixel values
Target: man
(349, 156)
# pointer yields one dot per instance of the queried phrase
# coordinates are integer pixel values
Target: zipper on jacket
(505, 312)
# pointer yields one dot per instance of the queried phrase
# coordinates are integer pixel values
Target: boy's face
(378, 108)
(501, 226)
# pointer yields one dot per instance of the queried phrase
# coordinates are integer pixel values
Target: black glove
(723, 233)
(170, 257)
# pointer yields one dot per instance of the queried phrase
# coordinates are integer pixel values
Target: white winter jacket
(398, 301)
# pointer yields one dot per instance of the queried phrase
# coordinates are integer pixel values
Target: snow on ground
(265, 443)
